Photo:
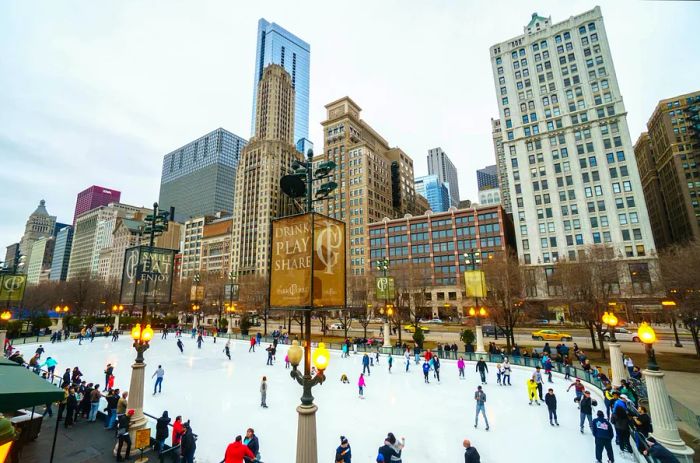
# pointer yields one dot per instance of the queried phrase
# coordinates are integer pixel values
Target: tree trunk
(696, 341)
(265, 321)
(592, 333)
(601, 338)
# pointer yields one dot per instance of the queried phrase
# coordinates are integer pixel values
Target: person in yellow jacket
(609, 399)
(532, 391)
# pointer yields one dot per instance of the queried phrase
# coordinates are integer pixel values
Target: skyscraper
(572, 175)
(200, 178)
(276, 45)
(267, 157)
(61, 254)
(39, 225)
(668, 157)
(93, 197)
(487, 178)
(501, 167)
(436, 192)
(39, 264)
(439, 164)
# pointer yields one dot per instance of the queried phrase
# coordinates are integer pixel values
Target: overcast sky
(96, 92)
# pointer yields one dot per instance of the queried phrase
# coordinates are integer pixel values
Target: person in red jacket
(178, 431)
(236, 451)
(252, 344)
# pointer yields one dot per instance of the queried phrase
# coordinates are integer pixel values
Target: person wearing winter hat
(343, 454)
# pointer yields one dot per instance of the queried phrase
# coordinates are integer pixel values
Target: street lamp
(610, 321)
(5, 316)
(383, 266)
(141, 337)
(619, 372)
(472, 258)
(478, 314)
(306, 437)
(648, 336)
(230, 309)
(195, 321)
(117, 309)
(671, 305)
(61, 310)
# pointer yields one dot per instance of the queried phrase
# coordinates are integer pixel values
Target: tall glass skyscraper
(434, 191)
(279, 46)
(61, 254)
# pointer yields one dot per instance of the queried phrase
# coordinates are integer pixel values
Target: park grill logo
(148, 270)
(12, 287)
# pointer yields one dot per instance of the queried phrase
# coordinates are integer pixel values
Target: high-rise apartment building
(439, 164)
(200, 178)
(61, 254)
(39, 264)
(276, 45)
(267, 157)
(374, 180)
(193, 232)
(501, 167)
(216, 247)
(11, 257)
(93, 197)
(39, 225)
(487, 178)
(436, 192)
(668, 156)
(572, 175)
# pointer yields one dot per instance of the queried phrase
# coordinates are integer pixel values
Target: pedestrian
(178, 431)
(365, 364)
(236, 451)
(162, 431)
(343, 454)
(159, 374)
(629, 364)
(71, 408)
(188, 445)
(390, 361)
(95, 396)
(659, 452)
(480, 398)
(551, 401)
(642, 422)
(426, 370)
(227, 349)
(586, 409)
(389, 451)
(253, 444)
(361, 385)
(123, 435)
(603, 434)
(621, 421)
(436, 367)
(471, 455)
(506, 372)
(269, 354)
(537, 376)
(180, 345)
(532, 391)
(66, 378)
(122, 403)
(460, 367)
(109, 369)
(482, 368)
(252, 344)
(263, 392)
(112, 403)
(200, 340)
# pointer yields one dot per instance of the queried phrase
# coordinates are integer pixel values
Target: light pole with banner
(476, 288)
(385, 290)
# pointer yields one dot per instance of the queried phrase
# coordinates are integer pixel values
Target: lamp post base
(386, 336)
(2, 341)
(136, 393)
(479, 340)
(307, 449)
(116, 323)
(619, 372)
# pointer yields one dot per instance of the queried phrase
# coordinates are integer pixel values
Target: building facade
(93, 197)
(199, 178)
(216, 247)
(39, 264)
(39, 225)
(439, 164)
(487, 178)
(193, 232)
(276, 45)
(267, 157)
(501, 167)
(61, 254)
(436, 192)
(668, 156)
(11, 257)
(126, 235)
(433, 246)
(490, 197)
(374, 180)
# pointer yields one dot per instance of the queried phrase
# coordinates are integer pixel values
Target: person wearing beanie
(343, 454)
(603, 434)
(123, 434)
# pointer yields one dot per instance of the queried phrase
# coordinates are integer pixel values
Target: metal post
(675, 329)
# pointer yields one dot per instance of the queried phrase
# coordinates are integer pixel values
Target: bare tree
(254, 295)
(679, 266)
(505, 292)
(412, 282)
(357, 298)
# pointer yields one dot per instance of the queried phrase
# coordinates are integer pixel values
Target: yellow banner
(475, 283)
(290, 269)
(329, 262)
(143, 438)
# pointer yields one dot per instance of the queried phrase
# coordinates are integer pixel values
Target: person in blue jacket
(343, 453)
(426, 371)
(603, 434)
(365, 363)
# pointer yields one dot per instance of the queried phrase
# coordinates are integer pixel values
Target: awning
(21, 388)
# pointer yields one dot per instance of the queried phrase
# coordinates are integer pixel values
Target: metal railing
(685, 414)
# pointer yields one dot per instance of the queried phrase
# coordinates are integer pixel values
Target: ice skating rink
(222, 399)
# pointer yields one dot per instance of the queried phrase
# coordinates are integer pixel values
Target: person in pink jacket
(361, 385)
(460, 367)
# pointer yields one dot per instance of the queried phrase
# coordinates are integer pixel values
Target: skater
(269, 354)
(390, 451)
(237, 451)
(115, 335)
(471, 455)
(376, 356)
(343, 454)
(578, 389)
(258, 337)
(361, 385)
(537, 376)
(551, 401)
(407, 357)
(416, 353)
(344, 350)
(286, 361)
(110, 382)
(159, 373)
(426, 370)
(263, 392)
(365, 364)
(480, 398)
(108, 372)
(165, 333)
(532, 391)
(200, 340)
(39, 350)
(227, 349)
(179, 345)
(603, 434)
(506, 372)
(499, 373)
(123, 435)
(586, 407)
(390, 361)
(252, 344)
(460, 367)
(548, 369)
(436, 368)
(344, 379)
(50, 365)
(215, 333)
(482, 368)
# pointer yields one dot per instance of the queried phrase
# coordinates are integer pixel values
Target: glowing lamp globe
(646, 333)
(606, 318)
(321, 356)
(6, 315)
(136, 332)
(295, 352)
(58, 309)
(147, 333)
(472, 312)
(390, 311)
(612, 320)
(482, 312)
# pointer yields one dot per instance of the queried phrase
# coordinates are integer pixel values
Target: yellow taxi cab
(551, 335)
(412, 329)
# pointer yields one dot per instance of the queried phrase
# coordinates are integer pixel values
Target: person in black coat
(66, 378)
(660, 453)
(551, 400)
(162, 431)
(471, 455)
(622, 427)
(188, 444)
(71, 407)
(251, 440)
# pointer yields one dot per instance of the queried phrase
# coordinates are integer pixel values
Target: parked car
(435, 320)
(412, 329)
(490, 330)
(551, 335)
(336, 326)
(623, 334)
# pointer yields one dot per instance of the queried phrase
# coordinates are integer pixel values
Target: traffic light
(323, 170)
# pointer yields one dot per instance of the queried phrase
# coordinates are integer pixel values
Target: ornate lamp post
(665, 428)
(230, 309)
(117, 310)
(61, 310)
(141, 338)
(383, 266)
(479, 314)
(619, 372)
(306, 433)
(5, 316)
(195, 321)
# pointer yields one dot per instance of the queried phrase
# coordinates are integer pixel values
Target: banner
(12, 287)
(196, 293)
(147, 275)
(475, 283)
(299, 243)
(231, 291)
(385, 288)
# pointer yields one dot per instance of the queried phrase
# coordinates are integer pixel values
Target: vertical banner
(384, 287)
(12, 287)
(475, 283)
(147, 267)
(290, 266)
(329, 262)
(231, 291)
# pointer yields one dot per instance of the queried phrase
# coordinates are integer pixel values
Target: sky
(98, 92)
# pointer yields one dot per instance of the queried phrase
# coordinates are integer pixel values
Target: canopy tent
(20, 388)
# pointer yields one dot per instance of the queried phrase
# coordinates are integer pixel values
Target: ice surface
(222, 399)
